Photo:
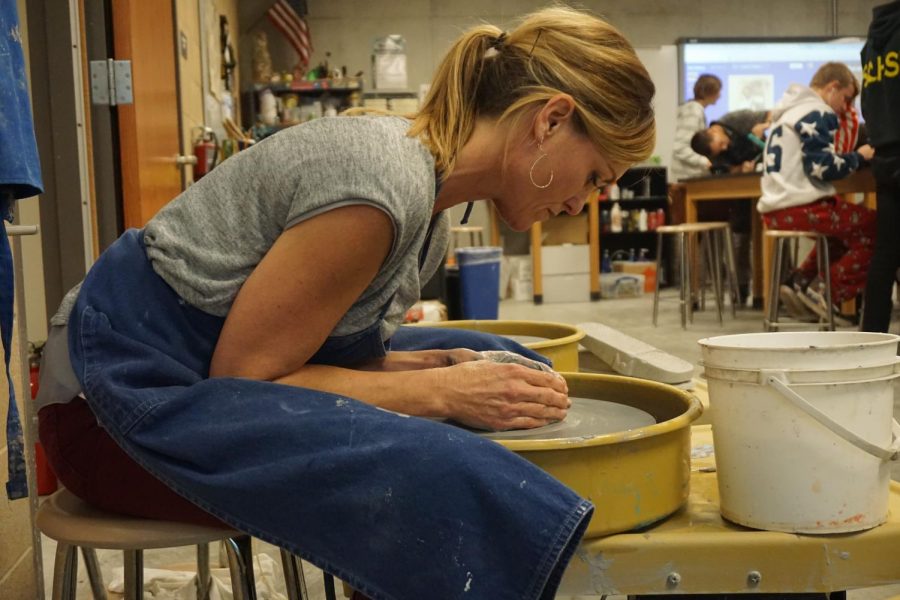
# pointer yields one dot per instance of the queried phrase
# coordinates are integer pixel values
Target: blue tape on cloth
(17, 486)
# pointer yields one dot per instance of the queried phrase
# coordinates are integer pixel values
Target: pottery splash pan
(556, 341)
(625, 446)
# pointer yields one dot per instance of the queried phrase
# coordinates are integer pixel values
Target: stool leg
(825, 268)
(690, 246)
(659, 244)
(712, 255)
(684, 293)
(700, 244)
(731, 268)
(718, 237)
(328, 580)
(93, 571)
(65, 572)
(774, 284)
(204, 580)
(240, 563)
(134, 574)
(294, 580)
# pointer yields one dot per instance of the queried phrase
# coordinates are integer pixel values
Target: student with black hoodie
(881, 109)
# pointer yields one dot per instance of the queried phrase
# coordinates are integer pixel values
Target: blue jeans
(399, 507)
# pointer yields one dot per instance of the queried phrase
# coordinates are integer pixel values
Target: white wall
(347, 28)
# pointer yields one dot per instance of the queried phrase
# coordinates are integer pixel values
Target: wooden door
(149, 130)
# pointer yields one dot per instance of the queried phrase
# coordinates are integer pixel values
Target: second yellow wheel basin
(559, 343)
(634, 478)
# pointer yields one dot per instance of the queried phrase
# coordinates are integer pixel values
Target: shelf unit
(341, 93)
(640, 181)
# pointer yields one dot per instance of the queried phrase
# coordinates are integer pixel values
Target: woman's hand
(497, 396)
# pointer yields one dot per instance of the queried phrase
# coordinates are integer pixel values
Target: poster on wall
(389, 63)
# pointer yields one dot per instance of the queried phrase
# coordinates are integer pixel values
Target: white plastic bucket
(803, 428)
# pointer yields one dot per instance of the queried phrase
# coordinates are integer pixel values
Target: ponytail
(447, 118)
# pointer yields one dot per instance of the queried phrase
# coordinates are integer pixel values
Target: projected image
(755, 74)
(754, 92)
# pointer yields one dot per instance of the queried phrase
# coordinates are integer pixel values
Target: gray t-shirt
(207, 241)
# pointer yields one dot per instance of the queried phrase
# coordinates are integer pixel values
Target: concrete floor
(631, 316)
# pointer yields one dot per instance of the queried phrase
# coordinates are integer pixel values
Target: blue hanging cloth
(20, 177)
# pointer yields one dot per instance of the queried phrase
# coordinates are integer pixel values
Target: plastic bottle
(606, 263)
(614, 192)
(615, 218)
(642, 220)
(651, 221)
(660, 217)
(631, 255)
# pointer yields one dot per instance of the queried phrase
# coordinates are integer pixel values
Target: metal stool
(476, 238)
(711, 236)
(75, 524)
(786, 245)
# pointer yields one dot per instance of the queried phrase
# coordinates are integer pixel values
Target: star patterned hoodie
(800, 159)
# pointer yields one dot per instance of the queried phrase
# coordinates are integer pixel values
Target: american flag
(287, 17)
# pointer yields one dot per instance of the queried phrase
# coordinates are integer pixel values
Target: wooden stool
(712, 236)
(75, 524)
(786, 241)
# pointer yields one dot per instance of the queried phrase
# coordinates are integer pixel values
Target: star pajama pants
(851, 240)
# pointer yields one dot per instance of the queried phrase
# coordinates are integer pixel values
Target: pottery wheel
(586, 418)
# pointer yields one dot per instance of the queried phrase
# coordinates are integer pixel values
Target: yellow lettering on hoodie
(884, 67)
(891, 64)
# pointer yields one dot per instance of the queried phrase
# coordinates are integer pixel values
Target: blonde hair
(834, 71)
(488, 73)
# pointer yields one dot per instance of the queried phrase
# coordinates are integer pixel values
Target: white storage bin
(621, 285)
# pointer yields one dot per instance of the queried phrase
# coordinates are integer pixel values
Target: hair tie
(497, 41)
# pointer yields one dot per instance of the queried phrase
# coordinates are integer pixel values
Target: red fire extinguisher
(46, 478)
(206, 149)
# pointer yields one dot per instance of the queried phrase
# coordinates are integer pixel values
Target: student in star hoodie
(800, 163)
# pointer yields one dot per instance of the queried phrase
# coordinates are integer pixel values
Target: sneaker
(814, 299)
(795, 308)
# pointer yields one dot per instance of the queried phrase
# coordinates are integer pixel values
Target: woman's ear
(555, 113)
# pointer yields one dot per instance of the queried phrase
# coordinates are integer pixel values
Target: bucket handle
(778, 380)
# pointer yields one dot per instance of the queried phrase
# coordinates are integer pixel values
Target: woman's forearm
(413, 392)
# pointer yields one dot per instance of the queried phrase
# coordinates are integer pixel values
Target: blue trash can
(479, 281)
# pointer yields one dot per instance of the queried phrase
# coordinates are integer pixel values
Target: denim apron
(399, 507)
(20, 177)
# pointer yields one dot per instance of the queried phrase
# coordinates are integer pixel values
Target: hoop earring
(534, 164)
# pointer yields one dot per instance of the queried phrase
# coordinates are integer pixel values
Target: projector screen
(755, 73)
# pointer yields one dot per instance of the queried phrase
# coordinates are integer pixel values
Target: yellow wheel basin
(636, 477)
(560, 343)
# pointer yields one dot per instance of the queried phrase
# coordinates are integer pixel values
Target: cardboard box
(566, 259)
(567, 229)
(645, 268)
(574, 287)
